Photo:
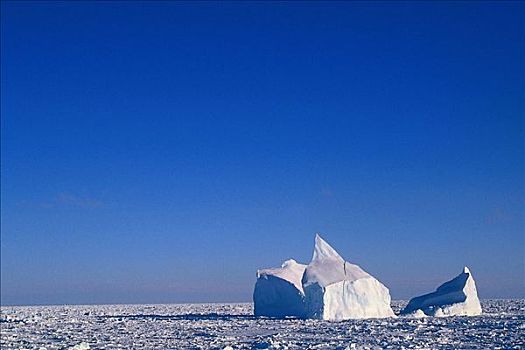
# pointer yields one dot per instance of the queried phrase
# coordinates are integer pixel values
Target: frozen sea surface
(219, 326)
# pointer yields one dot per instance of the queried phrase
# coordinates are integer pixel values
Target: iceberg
(457, 297)
(338, 290)
(278, 292)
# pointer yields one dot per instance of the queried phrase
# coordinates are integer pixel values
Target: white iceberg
(278, 292)
(337, 290)
(457, 297)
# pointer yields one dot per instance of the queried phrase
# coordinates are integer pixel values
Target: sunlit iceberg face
(338, 290)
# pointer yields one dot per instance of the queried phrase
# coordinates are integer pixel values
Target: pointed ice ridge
(328, 267)
(279, 292)
(457, 297)
(323, 250)
(337, 290)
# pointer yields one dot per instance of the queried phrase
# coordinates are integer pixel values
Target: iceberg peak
(466, 270)
(328, 267)
(323, 250)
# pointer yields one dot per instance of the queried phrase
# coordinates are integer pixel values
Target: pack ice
(338, 290)
(278, 292)
(457, 297)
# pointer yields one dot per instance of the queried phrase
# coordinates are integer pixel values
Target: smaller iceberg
(278, 292)
(457, 297)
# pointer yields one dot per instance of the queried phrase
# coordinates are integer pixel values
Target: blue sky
(162, 152)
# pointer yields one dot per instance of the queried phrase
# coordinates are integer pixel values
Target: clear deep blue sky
(162, 152)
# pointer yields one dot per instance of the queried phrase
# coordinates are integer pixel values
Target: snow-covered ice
(416, 314)
(233, 326)
(278, 292)
(457, 297)
(338, 290)
(81, 346)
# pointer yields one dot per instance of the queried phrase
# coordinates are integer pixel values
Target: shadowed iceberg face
(455, 297)
(276, 297)
(278, 292)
